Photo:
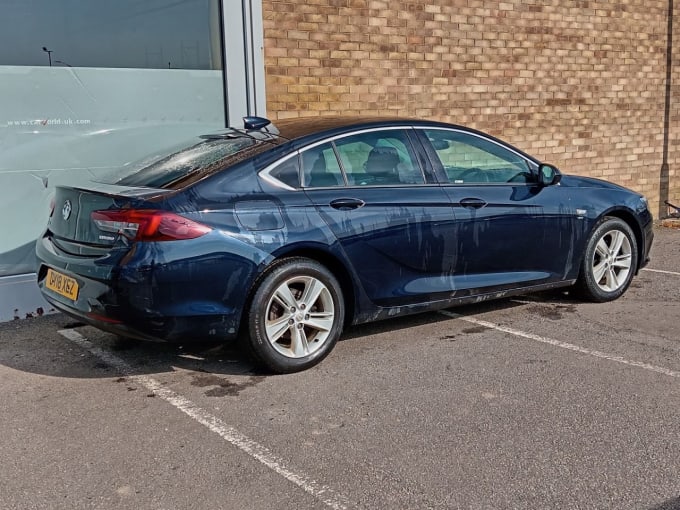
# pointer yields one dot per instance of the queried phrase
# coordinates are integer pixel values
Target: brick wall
(673, 174)
(580, 84)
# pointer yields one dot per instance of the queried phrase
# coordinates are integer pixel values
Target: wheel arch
(323, 257)
(629, 218)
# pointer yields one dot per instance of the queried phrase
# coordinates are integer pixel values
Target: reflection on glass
(156, 34)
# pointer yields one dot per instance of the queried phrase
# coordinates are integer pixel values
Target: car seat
(382, 164)
(320, 177)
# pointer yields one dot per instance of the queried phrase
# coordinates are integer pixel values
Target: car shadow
(40, 346)
(397, 324)
(671, 504)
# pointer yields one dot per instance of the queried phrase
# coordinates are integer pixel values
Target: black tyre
(295, 316)
(610, 261)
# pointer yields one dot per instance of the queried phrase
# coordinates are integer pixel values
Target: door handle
(473, 203)
(346, 204)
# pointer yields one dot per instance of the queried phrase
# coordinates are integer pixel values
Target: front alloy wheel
(296, 315)
(610, 261)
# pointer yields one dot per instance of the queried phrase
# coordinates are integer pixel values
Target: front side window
(469, 159)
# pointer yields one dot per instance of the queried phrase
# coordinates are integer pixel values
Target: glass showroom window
(87, 86)
(156, 34)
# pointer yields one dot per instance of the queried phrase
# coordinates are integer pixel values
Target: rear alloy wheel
(296, 316)
(610, 261)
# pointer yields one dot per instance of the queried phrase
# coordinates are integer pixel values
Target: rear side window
(379, 158)
(178, 165)
(288, 172)
(372, 158)
(321, 168)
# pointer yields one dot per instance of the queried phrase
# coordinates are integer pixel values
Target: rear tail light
(148, 225)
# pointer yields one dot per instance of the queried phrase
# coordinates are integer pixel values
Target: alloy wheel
(611, 263)
(299, 316)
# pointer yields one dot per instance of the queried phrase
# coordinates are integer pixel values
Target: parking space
(532, 402)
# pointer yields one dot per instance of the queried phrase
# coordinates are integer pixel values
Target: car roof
(282, 136)
(301, 131)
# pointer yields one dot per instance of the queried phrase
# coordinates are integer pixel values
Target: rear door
(510, 232)
(383, 205)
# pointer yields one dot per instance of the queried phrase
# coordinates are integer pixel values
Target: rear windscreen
(163, 171)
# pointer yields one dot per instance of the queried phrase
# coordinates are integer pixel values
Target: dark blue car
(286, 234)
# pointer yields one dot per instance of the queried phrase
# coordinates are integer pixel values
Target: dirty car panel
(285, 234)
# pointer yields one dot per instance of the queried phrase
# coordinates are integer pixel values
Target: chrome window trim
(352, 133)
(265, 174)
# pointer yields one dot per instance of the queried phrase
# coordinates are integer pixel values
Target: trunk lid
(71, 226)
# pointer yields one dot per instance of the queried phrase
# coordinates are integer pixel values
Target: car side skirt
(398, 311)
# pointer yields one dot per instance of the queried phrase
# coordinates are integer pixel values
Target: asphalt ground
(533, 402)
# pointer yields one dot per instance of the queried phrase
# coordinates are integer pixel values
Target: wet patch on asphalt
(552, 312)
(476, 329)
(125, 380)
(454, 337)
(223, 387)
(450, 338)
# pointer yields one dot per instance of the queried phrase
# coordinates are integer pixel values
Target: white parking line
(255, 450)
(565, 345)
(660, 271)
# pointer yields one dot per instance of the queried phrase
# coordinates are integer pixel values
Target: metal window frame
(243, 60)
(265, 173)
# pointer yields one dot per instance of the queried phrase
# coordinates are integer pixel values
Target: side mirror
(548, 175)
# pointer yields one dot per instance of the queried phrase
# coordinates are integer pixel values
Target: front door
(509, 232)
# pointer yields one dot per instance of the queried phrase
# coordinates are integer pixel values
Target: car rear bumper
(132, 294)
(172, 329)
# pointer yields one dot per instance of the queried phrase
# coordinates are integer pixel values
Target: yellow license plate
(61, 284)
